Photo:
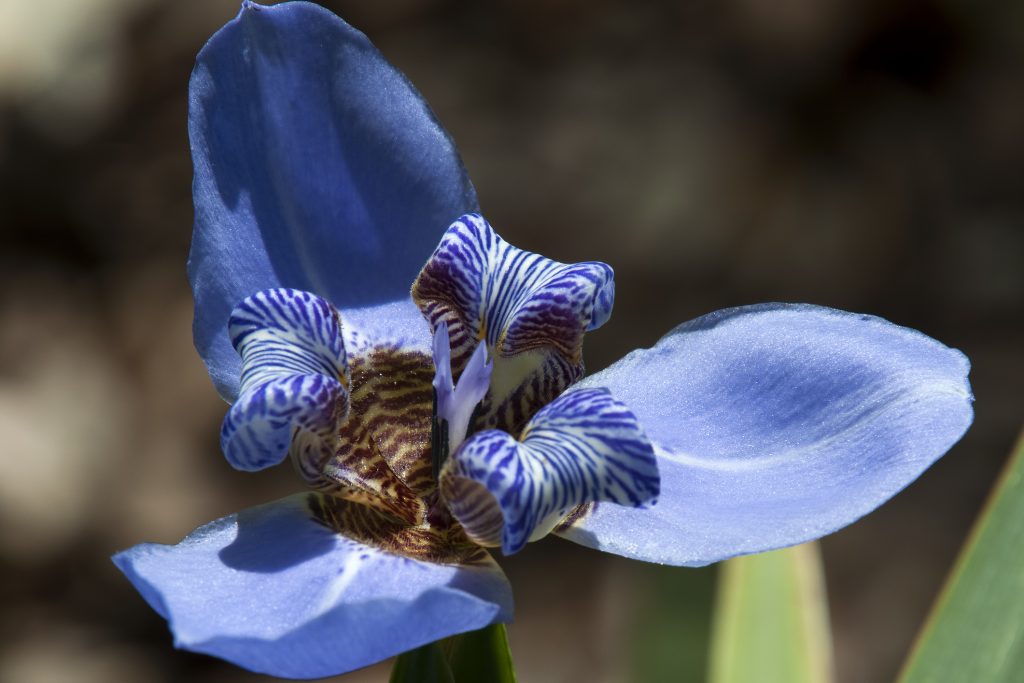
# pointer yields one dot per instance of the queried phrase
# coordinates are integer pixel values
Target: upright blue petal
(317, 167)
(275, 591)
(774, 425)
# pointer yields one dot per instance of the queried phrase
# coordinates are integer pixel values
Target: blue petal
(585, 446)
(294, 382)
(274, 591)
(775, 425)
(317, 166)
(395, 325)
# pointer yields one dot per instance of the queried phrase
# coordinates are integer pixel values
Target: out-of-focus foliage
(976, 630)
(481, 655)
(426, 664)
(771, 619)
(668, 633)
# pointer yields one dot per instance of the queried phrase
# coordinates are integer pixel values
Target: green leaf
(427, 664)
(771, 619)
(482, 656)
(668, 633)
(976, 629)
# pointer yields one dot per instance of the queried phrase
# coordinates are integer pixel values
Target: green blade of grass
(472, 657)
(669, 634)
(482, 656)
(976, 629)
(426, 664)
(770, 622)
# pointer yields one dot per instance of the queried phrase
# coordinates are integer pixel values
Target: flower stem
(481, 655)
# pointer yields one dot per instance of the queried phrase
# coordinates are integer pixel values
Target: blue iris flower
(429, 427)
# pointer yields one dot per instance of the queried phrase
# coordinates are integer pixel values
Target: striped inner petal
(525, 307)
(583, 447)
(294, 385)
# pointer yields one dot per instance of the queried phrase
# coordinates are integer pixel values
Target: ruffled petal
(281, 332)
(317, 166)
(774, 425)
(585, 446)
(294, 382)
(525, 307)
(274, 590)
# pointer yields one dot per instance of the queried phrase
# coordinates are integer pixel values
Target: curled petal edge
(585, 446)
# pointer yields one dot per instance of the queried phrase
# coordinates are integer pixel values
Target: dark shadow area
(270, 540)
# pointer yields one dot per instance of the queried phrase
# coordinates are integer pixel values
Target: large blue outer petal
(317, 167)
(274, 591)
(777, 424)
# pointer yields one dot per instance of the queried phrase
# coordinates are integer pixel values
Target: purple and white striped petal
(524, 306)
(294, 387)
(515, 300)
(583, 447)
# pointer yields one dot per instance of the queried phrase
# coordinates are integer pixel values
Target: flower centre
(410, 460)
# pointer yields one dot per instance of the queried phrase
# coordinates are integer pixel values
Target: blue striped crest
(583, 447)
(294, 386)
(530, 311)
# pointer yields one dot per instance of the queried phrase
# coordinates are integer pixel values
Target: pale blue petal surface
(317, 167)
(274, 591)
(396, 325)
(777, 424)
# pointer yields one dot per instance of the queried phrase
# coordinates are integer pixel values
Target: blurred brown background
(863, 155)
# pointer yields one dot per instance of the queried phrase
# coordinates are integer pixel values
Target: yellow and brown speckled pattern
(383, 457)
(444, 543)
